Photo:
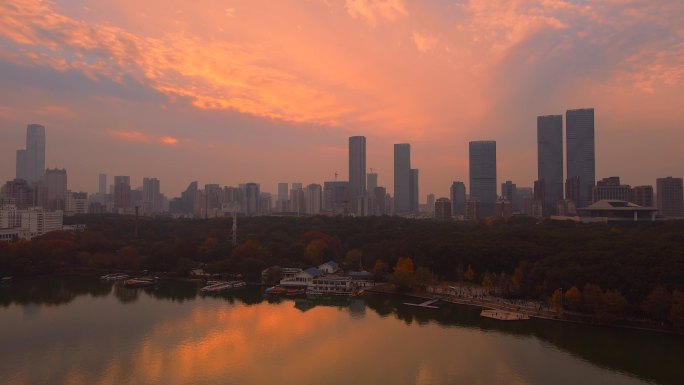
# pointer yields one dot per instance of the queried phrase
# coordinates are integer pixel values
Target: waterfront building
(402, 178)
(442, 209)
(483, 176)
(357, 172)
(581, 163)
(550, 160)
(458, 199)
(670, 197)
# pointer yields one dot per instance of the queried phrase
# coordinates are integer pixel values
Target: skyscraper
(122, 193)
(442, 209)
(550, 160)
(402, 178)
(313, 197)
(413, 188)
(372, 179)
(483, 176)
(31, 161)
(152, 195)
(458, 199)
(56, 186)
(670, 197)
(283, 191)
(252, 195)
(102, 187)
(581, 160)
(357, 171)
(509, 193)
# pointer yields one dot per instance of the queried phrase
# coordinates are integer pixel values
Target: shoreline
(424, 295)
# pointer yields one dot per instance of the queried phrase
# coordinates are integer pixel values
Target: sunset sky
(236, 91)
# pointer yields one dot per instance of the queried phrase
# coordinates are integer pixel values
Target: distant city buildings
(30, 164)
(442, 209)
(458, 199)
(670, 197)
(550, 161)
(483, 176)
(581, 161)
(402, 178)
(357, 172)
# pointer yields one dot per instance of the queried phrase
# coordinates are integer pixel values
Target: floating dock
(504, 315)
(426, 304)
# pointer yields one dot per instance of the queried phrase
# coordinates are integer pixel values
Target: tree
(249, 250)
(353, 258)
(402, 276)
(380, 269)
(573, 298)
(424, 277)
(677, 310)
(315, 251)
(469, 274)
(657, 304)
(591, 296)
(487, 283)
(556, 300)
(613, 305)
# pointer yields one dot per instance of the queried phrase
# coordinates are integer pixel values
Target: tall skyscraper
(31, 161)
(283, 191)
(56, 186)
(670, 197)
(357, 171)
(458, 199)
(314, 198)
(152, 195)
(402, 178)
(372, 179)
(442, 209)
(581, 160)
(413, 190)
(509, 193)
(550, 160)
(483, 176)
(102, 186)
(252, 195)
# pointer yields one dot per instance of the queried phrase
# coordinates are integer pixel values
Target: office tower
(538, 201)
(670, 198)
(265, 203)
(252, 202)
(431, 204)
(336, 197)
(642, 196)
(122, 193)
(380, 200)
(509, 193)
(610, 188)
(283, 190)
(314, 198)
(56, 187)
(372, 181)
(458, 199)
(31, 161)
(76, 203)
(504, 209)
(525, 197)
(402, 178)
(550, 160)
(297, 199)
(581, 161)
(413, 190)
(151, 199)
(483, 176)
(297, 186)
(357, 171)
(102, 188)
(18, 191)
(442, 209)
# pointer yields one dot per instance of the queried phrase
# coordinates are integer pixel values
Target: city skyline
(225, 94)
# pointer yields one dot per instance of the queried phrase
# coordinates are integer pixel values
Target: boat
(330, 286)
(294, 292)
(223, 286)
(276, 290)
(114, 277)
(140, 282)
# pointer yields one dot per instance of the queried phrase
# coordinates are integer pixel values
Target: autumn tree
(657, 304)
(402, 276)
(353, 258)
(487, 283)
(573, 298)
(677, 310)
(556, 300)
(592, 297)
(380, 269)
(469, 274)
(424, 277)
(613, 306)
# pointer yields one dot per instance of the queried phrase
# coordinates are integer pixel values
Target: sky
(269, 91)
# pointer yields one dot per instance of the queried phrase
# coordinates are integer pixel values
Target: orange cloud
(169, 140)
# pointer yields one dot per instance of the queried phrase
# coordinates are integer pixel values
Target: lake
(80, 330)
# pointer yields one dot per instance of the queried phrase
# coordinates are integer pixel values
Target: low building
(301, 279)
(330, 285)
(618, 210)
(330, 267)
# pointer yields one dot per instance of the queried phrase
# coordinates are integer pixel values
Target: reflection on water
(84, 331)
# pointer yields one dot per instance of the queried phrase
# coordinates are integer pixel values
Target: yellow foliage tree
(573, 298)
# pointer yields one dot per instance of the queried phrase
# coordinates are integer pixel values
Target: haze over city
(231, 92)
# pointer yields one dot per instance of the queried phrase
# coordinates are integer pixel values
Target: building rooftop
(615, 205)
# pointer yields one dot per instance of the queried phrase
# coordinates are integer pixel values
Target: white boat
(223, 286)
(114, 277)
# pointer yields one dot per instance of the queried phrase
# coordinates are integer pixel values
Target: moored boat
(140, 282)
(223, 286)
(114, 277)
(276, 290)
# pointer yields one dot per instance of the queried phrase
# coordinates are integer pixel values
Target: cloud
(424, 43)
(375, 10)
(140, 137)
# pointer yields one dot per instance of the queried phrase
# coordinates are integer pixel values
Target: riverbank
(524, 308)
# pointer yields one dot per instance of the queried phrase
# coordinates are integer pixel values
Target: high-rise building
(431, 204)
(297, 199)
(670, 197)
(413, 189)
(380, 201)
(550, 160)
(31, 161)
(442, 207)
(252, 199)
(458, 199)
(525, 197)
(372, 181)
(151, 202)
(357, 171)
(642, 196)
(122, 193)
(102, 188)
(402, 178)
(610, 188)
(336, 197)
(483, 176)
(504, 209)
(283, 190)
(581, 160)
(56, 186)
(314, 198)
(509, 193)
(20, 192)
